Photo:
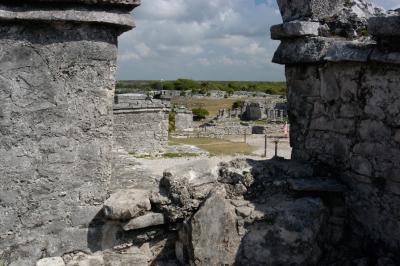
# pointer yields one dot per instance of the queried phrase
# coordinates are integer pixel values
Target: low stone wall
(344, 106)
(140, 123)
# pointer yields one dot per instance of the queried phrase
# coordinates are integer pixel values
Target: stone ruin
(183, 119)
(342, 68)
(338, 206)
(140, 123)
(57, 80)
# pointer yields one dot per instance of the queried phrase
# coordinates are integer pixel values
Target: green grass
(212, 105)
(171, 155)
(216, 146)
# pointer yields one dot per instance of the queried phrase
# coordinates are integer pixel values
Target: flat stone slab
(349, 51)
(294, 29)
(85, 2)
(127, 204)
(147, 220)
(316, 185)
(86, 15)
(308, 50)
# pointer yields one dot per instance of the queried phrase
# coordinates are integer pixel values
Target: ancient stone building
(57, 67)
(140, 123)
(183, 119)
(343, 78)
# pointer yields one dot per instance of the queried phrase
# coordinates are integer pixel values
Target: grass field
(212, 105)
(215, 146)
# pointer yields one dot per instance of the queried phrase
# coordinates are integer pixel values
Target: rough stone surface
(140, 123)
(295, 29)
(127, 204)
(183, 119)
(214, 239)
(147, 220)
(308, 9)
(55, 261)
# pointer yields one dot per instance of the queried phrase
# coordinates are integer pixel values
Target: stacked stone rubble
(57, 67)
(344, 108)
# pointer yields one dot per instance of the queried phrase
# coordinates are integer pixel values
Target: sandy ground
(157, 166)
(258, 141)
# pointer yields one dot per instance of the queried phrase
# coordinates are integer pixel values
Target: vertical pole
(265, 145)
(276, 148)
(245, 136)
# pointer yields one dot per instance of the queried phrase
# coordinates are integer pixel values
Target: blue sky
(203, 40)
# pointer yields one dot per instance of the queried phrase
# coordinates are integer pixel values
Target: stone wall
(344, 107)
(57, 66)
(183, 119)
(140, 123)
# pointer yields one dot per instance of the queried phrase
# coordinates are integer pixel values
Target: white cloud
(195, 38)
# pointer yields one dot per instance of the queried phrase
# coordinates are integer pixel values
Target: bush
(171, 122)
(237, 104)
(200, 113)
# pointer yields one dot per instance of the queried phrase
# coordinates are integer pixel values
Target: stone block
(361, 165)
(54, 261)
(385, 26)
(372, 130)
(294, 29)
(309, 50)
(344, 51)
(309, 9)
(147, 220)
(127, 204)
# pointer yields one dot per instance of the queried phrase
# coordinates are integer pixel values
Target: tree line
(202, 87)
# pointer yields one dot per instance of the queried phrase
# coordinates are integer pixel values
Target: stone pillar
(57, 68)
(343, 101)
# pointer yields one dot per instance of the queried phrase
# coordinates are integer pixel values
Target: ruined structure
(57, 67)
(343, 72)
(340, 206)
(140, 123)
(183, 119)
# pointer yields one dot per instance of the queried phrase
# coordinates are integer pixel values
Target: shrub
(171, 122)
(237, 104)
(200, 113)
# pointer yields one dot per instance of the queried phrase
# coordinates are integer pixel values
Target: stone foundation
(57, 71)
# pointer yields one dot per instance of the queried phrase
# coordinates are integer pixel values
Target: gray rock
(310, 50)
(291, 239)
(388, 26)
(127, 204)
(147, 220)
(295, 29)
(324, 185)
(87, 2)
(214, 239)
(54, 261)
(350, 51)
(309, 9)
(197, 173)
(125, 259)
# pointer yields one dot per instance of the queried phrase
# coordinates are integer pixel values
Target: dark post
(265, 145)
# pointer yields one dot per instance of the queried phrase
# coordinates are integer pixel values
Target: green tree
(200, 113)
(237, 104)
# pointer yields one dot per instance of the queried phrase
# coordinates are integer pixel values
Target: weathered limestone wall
(140, 124)
(57, 66)
(344, 104)
(183, 119)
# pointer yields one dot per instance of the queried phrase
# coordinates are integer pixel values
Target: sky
(203, 40)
